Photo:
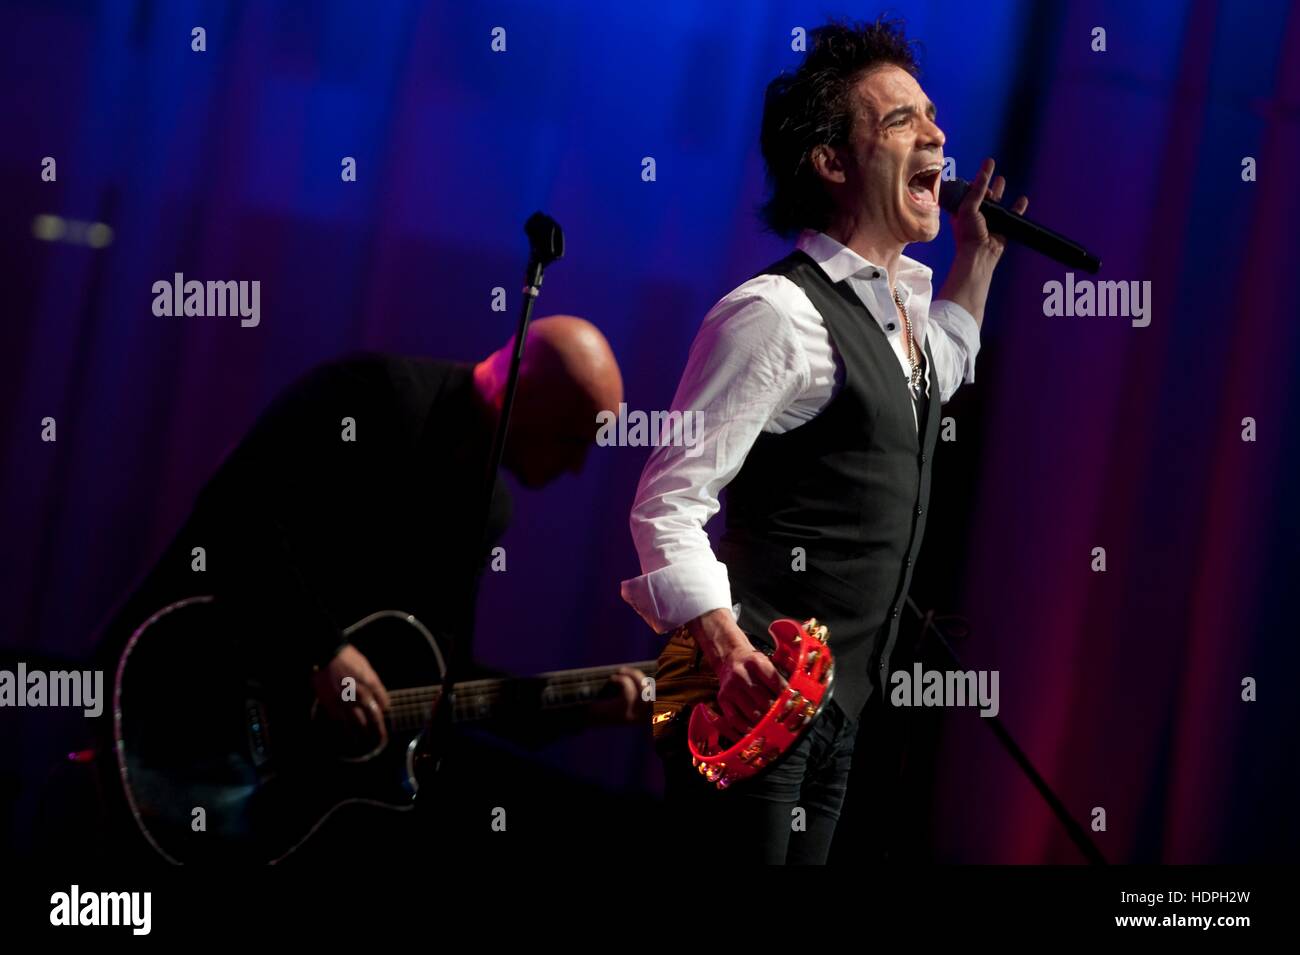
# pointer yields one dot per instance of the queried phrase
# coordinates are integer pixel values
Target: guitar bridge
(259, 738)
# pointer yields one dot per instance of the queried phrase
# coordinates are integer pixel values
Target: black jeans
(755, 821)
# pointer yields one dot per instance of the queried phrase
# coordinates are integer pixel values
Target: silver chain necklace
(915, 380)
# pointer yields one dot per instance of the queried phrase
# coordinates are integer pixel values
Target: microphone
(1016, 228)
(545, 238)
(545, 245)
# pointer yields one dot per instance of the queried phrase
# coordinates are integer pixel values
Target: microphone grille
(951, 193)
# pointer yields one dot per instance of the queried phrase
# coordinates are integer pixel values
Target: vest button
(908, 562)
(894, 612)
(918, 510)
(922, 457)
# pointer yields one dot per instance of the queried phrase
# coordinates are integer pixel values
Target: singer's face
(897, 158)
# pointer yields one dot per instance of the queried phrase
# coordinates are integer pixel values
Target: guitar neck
(483, 700)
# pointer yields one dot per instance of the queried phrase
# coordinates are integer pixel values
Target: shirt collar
(839, 262)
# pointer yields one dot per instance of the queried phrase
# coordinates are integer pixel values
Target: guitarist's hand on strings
(356, 705)
(748, 681)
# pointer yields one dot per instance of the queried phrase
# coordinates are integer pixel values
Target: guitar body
(218, 766)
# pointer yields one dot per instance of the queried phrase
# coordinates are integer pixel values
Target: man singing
(819, 383)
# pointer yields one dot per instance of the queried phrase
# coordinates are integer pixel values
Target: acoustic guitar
(260, 765)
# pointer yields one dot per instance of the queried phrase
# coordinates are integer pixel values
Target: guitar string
(473, 704)
(489, 688)
(566, 677)
(412, 704)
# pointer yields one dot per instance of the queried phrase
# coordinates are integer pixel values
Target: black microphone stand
(546, 244)
(1078, 835)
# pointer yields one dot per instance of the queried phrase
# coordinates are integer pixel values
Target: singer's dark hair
(815, 105)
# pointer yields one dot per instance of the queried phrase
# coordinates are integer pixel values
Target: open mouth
(923, 187)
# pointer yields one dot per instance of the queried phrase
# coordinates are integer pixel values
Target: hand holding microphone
(982, 224)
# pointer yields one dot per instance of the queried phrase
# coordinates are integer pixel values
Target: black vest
(849, 488)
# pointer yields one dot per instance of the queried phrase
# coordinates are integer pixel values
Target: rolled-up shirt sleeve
(746, 364)
(954, 343)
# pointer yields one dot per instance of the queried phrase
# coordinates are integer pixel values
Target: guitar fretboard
(479, 700)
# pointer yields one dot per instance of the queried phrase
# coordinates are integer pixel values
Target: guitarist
(362, 487)
(818, 382)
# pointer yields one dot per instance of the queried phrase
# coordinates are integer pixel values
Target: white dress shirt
(763, 361)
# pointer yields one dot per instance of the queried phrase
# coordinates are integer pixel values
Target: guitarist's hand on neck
(748, 682)
(353, 697)
(622, 702)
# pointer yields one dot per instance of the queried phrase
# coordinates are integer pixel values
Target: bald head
(568, 375)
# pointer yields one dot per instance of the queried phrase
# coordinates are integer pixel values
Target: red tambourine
(804, 659)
